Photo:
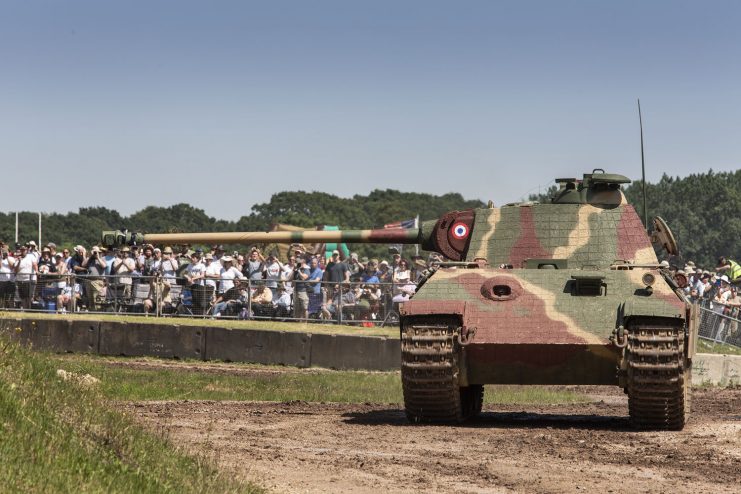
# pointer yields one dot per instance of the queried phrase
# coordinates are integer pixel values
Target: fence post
(339, 314)
(250, 315)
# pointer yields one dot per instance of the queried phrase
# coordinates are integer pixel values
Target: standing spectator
(123, 267)
(53, 249)
(7, 279)
(33, 250)
(95, 286)
(732, 268)
(169, 266)
(65, 256)
(25, 267)
(315, 277)
(354, 267)
(254, 266)
(402, 276)
(722, 295)
(300, 292)
(195, 274)
(61, 270)
(108, 256)
(337, 272)
(46, 264)
(272, 273)
(385, 275)
(145, 262)
(286, 274)
(195, 277)
(213, 272)
(74, 265)
(369, 275)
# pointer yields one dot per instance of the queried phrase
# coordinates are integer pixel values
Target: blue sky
(221, 104)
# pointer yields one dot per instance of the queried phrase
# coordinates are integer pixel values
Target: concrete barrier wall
(720, 370)
(260, 346)
(152, 340)
(298, 349)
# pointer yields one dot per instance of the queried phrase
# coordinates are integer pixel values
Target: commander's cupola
(597, 188)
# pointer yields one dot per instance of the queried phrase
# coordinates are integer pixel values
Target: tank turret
(568, 292)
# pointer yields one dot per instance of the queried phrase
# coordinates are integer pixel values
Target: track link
(659, 389)
(430, 372)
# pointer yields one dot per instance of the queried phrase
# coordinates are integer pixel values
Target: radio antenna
(643, 167)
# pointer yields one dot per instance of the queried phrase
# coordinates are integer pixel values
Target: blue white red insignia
(459, 230)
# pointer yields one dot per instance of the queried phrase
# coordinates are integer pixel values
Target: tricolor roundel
(459, 230)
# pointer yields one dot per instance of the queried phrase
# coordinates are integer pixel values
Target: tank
(568, 292)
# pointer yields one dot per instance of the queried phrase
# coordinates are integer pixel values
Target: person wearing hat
(195, 278)
(94, 281)
(169, 266)
(213, 271)
(122, 269)
(228, 291)
(33, 249)
(732, 269)
(370, 275)
(7, 278)
(354, 267)
(228, 274)
(420, 267)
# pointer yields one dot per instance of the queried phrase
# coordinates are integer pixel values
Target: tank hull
(536, 326)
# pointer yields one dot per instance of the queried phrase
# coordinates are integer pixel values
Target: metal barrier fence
(719, 323)
(345, 303)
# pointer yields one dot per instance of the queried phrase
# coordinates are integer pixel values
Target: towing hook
(466, 335)
(619, 338)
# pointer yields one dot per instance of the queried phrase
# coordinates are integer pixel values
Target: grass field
(296, 326)
(59, 436)
(147, 380)
(705, 346)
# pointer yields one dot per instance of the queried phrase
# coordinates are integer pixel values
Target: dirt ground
(318, 448)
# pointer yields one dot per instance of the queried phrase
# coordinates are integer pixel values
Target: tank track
(430, 372)
(658, 381)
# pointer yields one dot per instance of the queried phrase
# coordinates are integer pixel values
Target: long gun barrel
(449, 235)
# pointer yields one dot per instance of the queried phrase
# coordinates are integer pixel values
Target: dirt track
(303, 447)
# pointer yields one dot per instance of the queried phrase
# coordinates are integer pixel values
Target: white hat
(724, 278)
(227, 259)
(335, 252)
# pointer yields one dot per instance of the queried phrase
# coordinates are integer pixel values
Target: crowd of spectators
(212, 282)
(717, 289)
(252, 283)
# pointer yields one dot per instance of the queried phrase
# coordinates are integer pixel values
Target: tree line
(304, 209)
(701, 209)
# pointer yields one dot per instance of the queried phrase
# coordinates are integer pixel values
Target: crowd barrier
(342, 303)
(719, 323)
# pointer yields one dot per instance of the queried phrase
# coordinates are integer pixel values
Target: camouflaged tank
(569, 292)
